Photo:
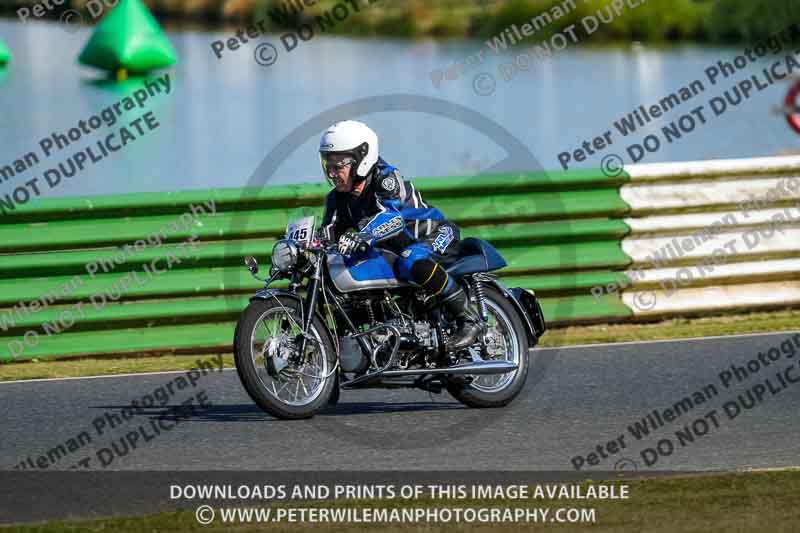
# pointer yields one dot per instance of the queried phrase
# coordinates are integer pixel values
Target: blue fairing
(369, 266)
(476, 256)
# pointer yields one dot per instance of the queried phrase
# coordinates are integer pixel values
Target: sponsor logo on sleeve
(388, 227)
(389, 184)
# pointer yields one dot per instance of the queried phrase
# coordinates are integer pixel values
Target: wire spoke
(500, 346)
(312, 376)
(297, 388)
(270, 334)
(283, 387)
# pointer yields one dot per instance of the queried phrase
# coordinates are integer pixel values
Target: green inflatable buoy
(5, 54)
(128, 39)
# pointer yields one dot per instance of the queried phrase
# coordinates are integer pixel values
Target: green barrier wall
(559, 232)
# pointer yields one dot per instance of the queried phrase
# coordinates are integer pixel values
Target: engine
(416, 335)
(415, 338)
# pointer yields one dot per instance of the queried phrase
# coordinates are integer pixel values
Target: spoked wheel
(505, 340)
(281, 379)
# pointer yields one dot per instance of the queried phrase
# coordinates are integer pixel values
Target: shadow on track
(252, 413)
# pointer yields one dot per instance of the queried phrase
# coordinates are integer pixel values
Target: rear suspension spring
(480, 298)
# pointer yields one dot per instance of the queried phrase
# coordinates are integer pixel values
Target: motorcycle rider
(372, 203)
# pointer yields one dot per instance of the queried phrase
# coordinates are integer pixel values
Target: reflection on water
(223, 116)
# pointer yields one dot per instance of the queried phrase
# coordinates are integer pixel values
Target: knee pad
(430, 275)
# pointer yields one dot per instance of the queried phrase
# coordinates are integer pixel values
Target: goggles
(334, 163)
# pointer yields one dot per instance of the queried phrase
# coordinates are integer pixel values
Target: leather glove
(352, 242)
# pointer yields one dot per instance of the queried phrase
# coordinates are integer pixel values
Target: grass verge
(679, 328)
(753, 501)
(676, 328)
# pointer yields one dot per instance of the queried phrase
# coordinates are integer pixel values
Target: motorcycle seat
(475, 255)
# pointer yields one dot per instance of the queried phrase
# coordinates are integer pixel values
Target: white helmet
(353, 138)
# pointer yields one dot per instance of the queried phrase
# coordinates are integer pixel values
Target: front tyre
(281, 380)
(505, 340)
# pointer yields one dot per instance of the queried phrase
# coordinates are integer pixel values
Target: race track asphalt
(576, 399)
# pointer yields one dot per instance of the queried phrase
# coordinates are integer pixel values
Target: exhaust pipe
(480, 368)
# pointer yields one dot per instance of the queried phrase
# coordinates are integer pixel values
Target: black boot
(457, 303)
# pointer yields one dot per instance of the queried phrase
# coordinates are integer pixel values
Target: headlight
(284, 255)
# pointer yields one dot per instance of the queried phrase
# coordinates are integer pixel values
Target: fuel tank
(370, 271)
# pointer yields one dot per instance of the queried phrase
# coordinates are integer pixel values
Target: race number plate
(301, 230)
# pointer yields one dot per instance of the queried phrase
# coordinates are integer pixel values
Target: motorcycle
(354, 325)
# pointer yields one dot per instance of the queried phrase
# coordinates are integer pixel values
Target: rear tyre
(299, 385)
(506, 340)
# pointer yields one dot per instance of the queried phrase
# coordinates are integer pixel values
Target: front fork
(311, 303)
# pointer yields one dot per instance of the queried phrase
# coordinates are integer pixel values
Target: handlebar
(333, 246)
(328, 245)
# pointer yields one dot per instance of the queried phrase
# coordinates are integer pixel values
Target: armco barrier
(609, 223)
(728, 234)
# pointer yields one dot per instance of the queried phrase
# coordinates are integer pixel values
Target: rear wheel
(281, 380)
(505, 340)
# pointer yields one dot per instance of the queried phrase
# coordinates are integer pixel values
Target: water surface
(224, 115)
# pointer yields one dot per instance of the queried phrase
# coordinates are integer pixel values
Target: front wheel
(281, 380)
(505, 340)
